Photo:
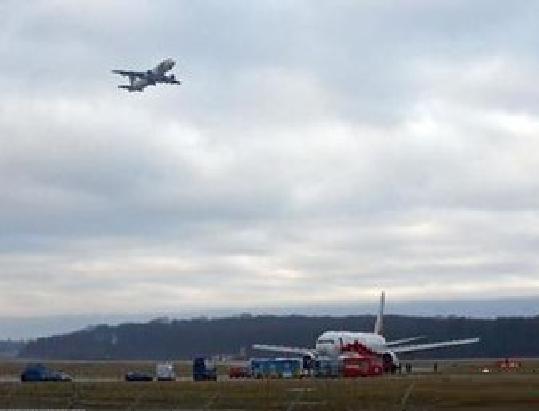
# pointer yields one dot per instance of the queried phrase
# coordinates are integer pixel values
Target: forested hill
(182, 339)
(10, 348)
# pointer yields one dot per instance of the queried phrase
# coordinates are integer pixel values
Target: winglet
(379, 325)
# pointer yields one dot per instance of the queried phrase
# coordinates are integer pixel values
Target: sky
(317, 153)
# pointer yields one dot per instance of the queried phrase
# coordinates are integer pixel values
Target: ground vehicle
(327, 367)
(276, 368)
(38, 372)
(359, 361)
(138, 376)
(204, 370)
(357, 365)
(508, 365)
(165, 371)
(239, 372)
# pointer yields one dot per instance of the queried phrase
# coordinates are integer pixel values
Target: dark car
(38, 372)
(138, 376)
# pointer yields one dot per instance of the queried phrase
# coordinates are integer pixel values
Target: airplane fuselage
(331, 343)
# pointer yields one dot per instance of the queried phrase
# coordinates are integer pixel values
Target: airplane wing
(433, 346)
(129, 73)
(404, 340)
(283, 349)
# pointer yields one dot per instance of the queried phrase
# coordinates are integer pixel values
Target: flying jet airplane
(138, 80)
(330, 343)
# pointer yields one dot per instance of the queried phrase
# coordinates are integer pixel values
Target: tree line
(185, 339)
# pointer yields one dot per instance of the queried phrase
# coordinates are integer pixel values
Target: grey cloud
(316, 152)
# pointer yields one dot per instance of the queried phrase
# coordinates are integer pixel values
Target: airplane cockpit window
(326, 342)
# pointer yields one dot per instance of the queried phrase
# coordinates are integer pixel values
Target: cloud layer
(316, 152)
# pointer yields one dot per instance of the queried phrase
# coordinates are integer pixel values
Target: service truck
(165, 371)
(204, 370)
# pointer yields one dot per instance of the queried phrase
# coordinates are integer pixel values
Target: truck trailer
(276, 368)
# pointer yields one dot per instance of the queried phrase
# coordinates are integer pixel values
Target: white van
(165, 371)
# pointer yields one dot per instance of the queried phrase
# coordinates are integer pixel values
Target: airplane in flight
(331, 343)
(138, 80)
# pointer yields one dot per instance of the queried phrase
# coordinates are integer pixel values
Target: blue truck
(276, 368)
(204, 370)
(38, 372)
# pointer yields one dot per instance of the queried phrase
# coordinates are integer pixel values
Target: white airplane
(331, 343)
(138, 80)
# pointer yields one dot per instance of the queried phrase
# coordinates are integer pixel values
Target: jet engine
(390, 362)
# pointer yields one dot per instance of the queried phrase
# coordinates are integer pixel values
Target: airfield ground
(459, 385)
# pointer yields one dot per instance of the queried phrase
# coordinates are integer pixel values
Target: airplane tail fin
(379, 325)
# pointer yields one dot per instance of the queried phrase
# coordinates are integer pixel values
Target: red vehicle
(358, 361)
(239, 372)
(508, 365)
(354, 366)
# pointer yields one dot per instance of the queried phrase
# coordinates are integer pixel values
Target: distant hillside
(178, 339)
(10, 348)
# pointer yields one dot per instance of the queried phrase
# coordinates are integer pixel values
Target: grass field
(459, 386)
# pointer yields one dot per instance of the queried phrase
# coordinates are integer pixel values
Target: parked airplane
(138, 80)
(330, 343)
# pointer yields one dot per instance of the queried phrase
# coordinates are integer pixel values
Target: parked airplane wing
(129, 73)
(433, 346)
(404, 340)
(283, 349)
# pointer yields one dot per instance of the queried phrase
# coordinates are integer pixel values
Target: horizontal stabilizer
(433, 346)
(283, 349)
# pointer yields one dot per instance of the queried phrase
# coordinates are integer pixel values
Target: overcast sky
(317, 152)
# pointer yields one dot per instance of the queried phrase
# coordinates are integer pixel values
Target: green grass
(429, 392)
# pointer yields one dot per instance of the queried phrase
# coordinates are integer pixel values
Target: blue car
(38, 372)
